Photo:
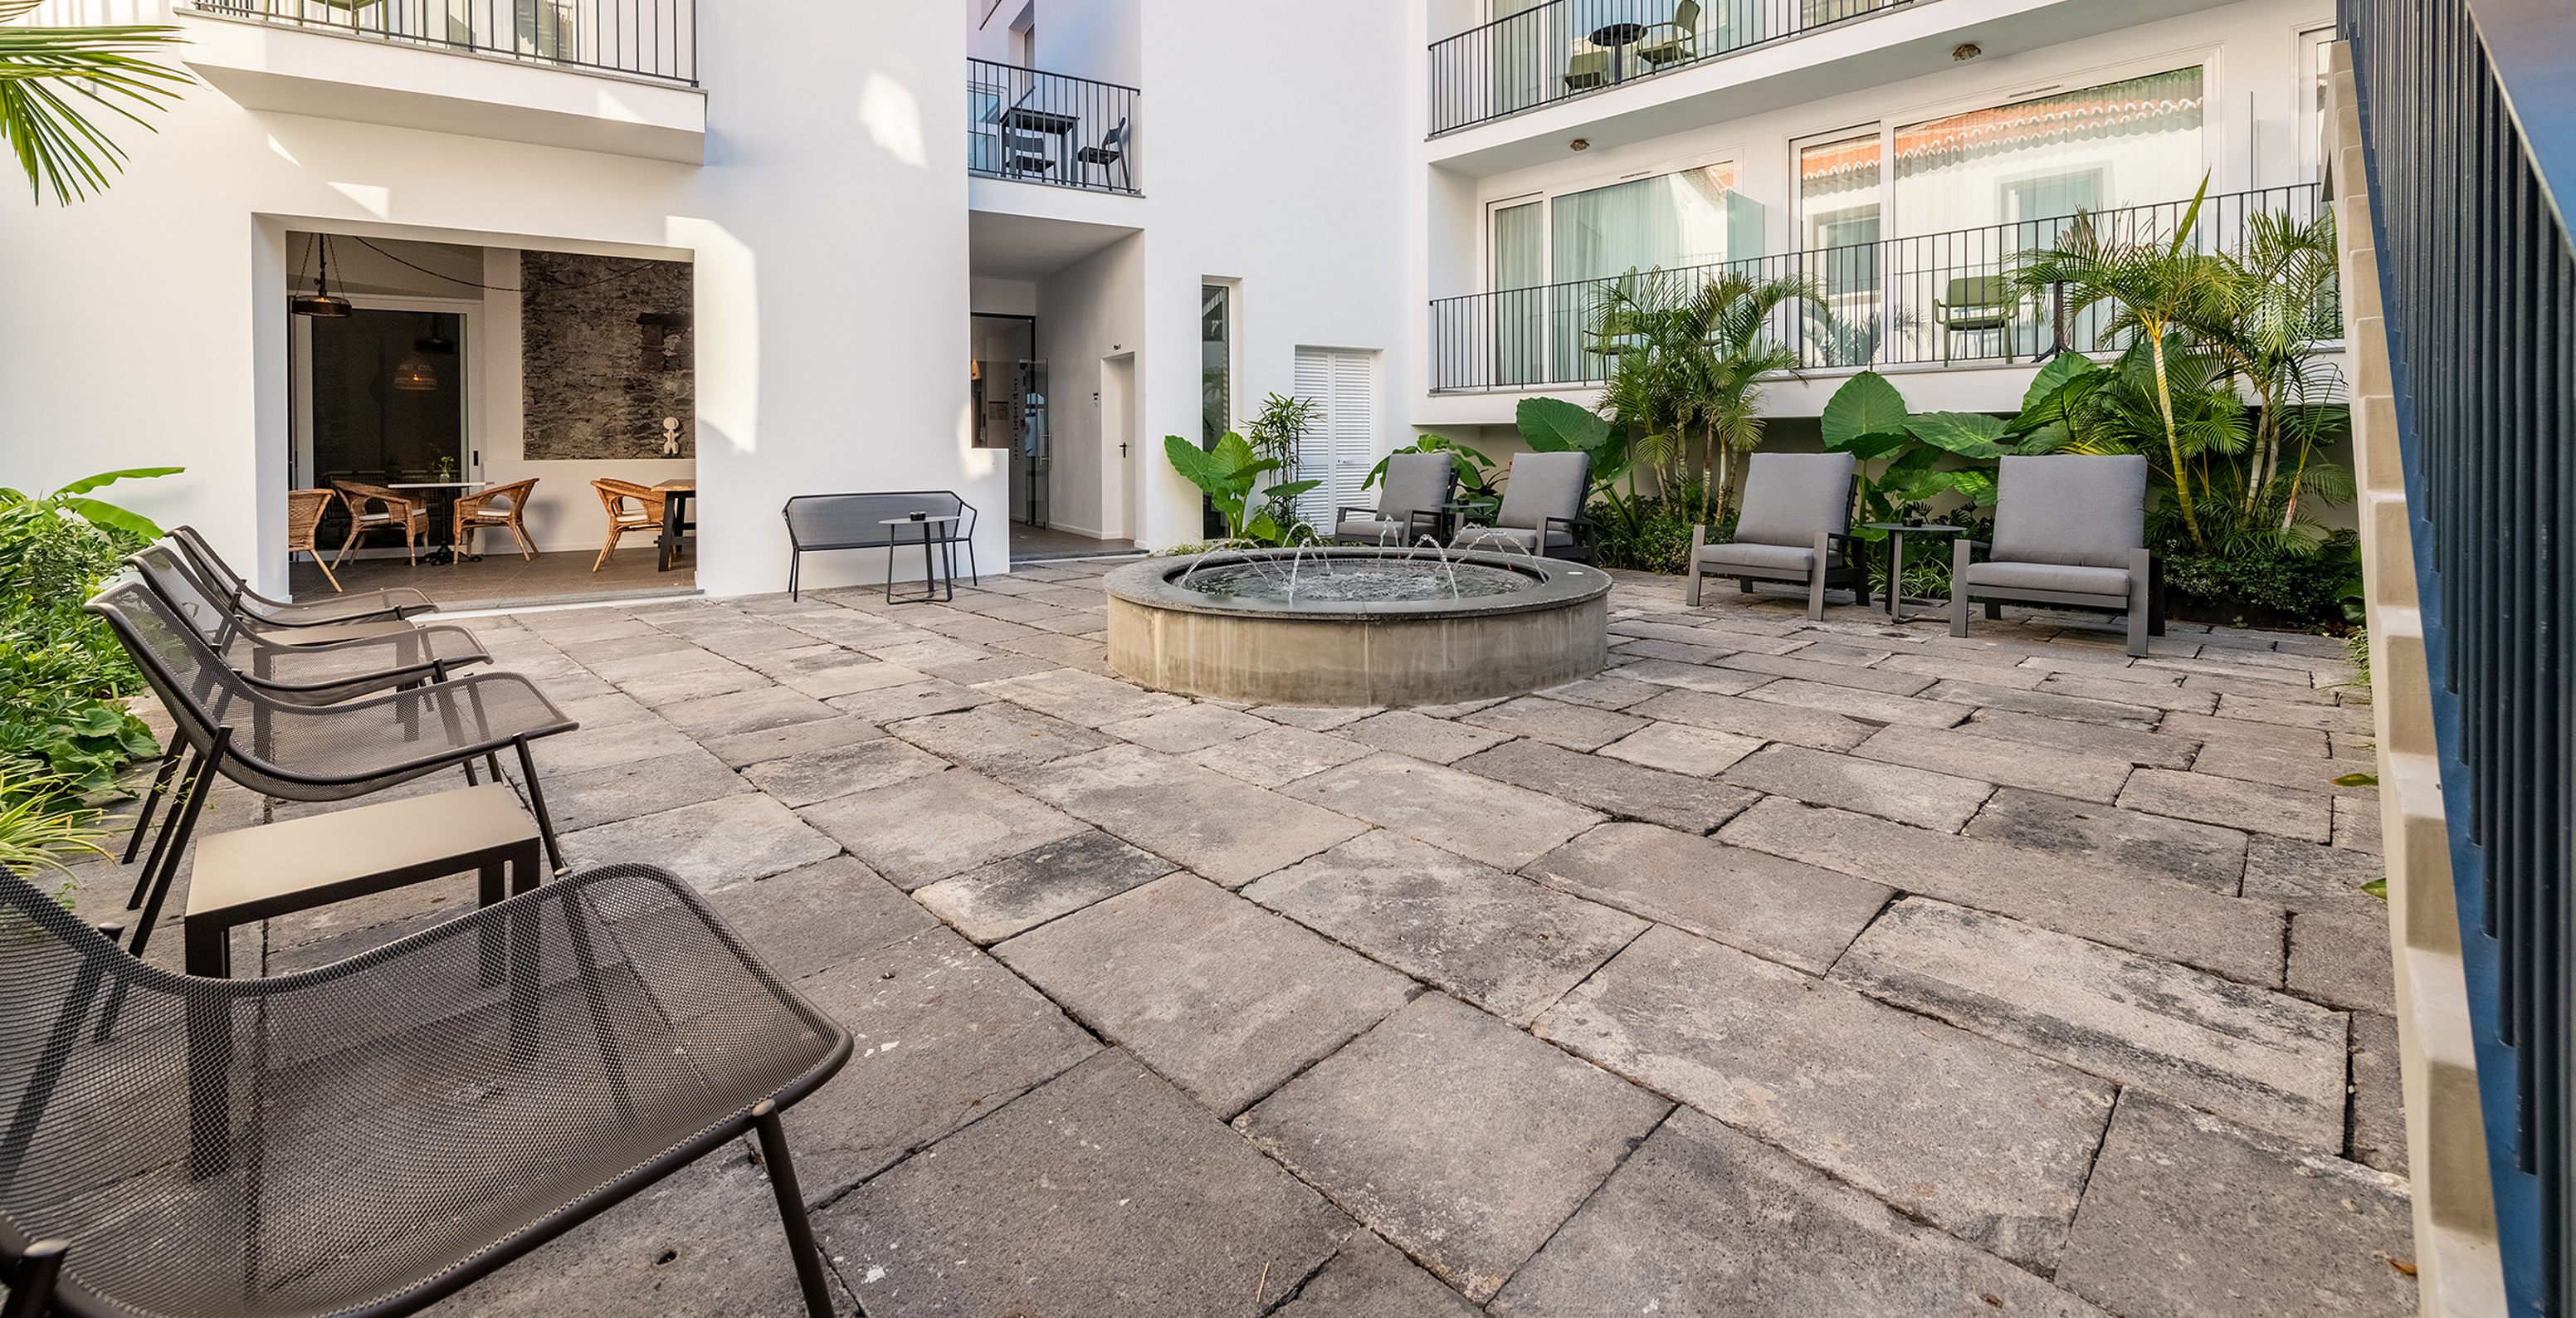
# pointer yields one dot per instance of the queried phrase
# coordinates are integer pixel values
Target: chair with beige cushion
(392, 512)
(499, 506)
(631, 508)
(1795, 526)
(2069, 530)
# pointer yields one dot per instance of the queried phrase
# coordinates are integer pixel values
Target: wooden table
(675, 502)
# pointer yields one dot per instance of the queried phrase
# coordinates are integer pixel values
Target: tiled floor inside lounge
(1784, 969)
(502, 577)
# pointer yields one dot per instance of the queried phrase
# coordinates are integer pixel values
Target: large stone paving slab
(1815, 728)
(1105, 1192)
(1371, 1279)
(1499, 941)
(1016, 895)
(1575, 727)
(2105, 837)
(2378, 1094)
(1872, 706)
(1460, 1139)
(2012, 764)
(1936, 801)
(1619, 789)
(998, 739)
(2255, 1056)
(2189, 1215)
(861, 766)
(1680, 748)
(1079, 697)
(1188, 728)
(1221, 827)
(821, 915)
(1280, 756)
(2256, 807)
(1995, 1142)
(940, 1036)
(749, 748)
(638, 787)
(1501, 825)
(1790, 912)
(2157, 750)
(1223, 997)
(2140, 911)
(731, 839)
(924, 829)
(2342, 960)
(1410, 732)
(1704, 1222)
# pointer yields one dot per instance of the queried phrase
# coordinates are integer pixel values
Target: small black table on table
(938, 533)
(1896, 533)
(1618, 37)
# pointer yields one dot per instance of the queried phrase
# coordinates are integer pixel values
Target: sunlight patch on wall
(376, 201)
(727, 326)
(892, 117)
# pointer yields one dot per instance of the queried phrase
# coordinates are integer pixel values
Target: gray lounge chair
(2068, 530)
(1409, 504)
(1542, 512)
(1795, 527)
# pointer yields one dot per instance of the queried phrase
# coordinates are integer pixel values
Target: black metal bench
(819, 522)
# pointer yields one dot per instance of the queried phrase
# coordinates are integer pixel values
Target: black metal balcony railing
(1940, 297)
(645, 38)
(2477, 276)
(1050, 128)
(1569, 47)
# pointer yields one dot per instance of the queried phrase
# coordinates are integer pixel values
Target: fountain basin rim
(1553, 584)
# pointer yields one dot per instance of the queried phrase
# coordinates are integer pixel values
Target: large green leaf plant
(1229, 474)
(64, 730)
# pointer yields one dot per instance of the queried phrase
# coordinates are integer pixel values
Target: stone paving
(1785, 968)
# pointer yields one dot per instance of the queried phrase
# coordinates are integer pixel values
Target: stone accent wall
(606, 352)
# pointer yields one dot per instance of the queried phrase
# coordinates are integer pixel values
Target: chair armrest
(1340, 513)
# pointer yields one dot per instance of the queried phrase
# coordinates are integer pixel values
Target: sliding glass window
(2033, 164)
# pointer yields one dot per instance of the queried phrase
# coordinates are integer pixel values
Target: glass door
(386, 404)
(1519, 278)
(1838, 221)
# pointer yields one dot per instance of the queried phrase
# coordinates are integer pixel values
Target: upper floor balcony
(1029, 126)
(1937, 298)
(1563, 49)
(654, 39)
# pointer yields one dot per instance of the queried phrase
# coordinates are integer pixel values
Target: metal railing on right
(645, 38)
(1566, 48)
(1939, 297)
(2464, 108)
(1052, 128)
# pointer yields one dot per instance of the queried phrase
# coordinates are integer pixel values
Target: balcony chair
(1978, 304)
(1794, 526)
(1028, 154)
(1111, 151)
(304, 509)
(499, 506)
(1417, 488)
(305, 753)
(1679, 45)
(1586, 69)
(373, 1135)
(373, 606)
(394, 513)
(2070, 531)
(631, 508)
(1542, 512)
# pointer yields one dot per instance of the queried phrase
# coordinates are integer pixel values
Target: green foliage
(2288, 587)
(1282, 424)
(64, 732)
(1685, 383)
(37, 830)
(1923, 459)
(1657, 538)
(49, 133)
(1228, 474)
(1478, 475)
(1553, 425)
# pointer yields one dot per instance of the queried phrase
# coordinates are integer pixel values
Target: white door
(1337, 450)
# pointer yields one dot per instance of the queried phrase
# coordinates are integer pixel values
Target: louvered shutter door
(1337, 450)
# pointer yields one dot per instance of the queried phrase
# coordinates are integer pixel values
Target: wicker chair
(371, 1136)
(409, 516)
(367, 606)
(303, 753)
(304, 509)
(631, 507)
(501, 505)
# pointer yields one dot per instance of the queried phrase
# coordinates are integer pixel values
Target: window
(2129, 143)
(1340, 449)
(1668, 222)
(1216, 384)
(1838, 210)
(1520, 311)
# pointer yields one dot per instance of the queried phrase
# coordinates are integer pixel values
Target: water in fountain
(1284, 576)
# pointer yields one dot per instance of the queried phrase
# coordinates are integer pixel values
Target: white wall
(1087, 312)
(831, 278)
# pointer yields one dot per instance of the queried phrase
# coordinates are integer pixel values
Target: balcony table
(1896, 533)
(1061, 126)
(1618, 37)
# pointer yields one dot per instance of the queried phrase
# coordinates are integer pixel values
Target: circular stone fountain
(1357, 626)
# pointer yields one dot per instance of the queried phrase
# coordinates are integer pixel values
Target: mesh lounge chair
(2071, 531)
(318, 674)
(1410, 503)
(302, 753)
(368, 1137)
(364, 606)
(1797, 515)
(1542, 512)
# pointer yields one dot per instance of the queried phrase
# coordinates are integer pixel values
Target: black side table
(936, 533)
(1896, 533)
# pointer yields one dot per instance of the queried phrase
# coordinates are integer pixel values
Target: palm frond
(52, 135)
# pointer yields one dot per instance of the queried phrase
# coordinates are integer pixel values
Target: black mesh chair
(817, 522)
(361, 606)
(305, 753)
(366, 1138)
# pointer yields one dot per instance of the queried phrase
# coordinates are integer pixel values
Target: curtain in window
(1666, 223)
(1520, 304)
(2131, 143)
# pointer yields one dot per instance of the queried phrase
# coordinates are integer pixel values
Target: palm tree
(53, 138)
(2163, 289)
(1691, 366)
(2281, 304)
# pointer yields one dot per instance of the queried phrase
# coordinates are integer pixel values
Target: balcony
(1936, 298)
(654, 39)
(1026, 126)
(1570, 48)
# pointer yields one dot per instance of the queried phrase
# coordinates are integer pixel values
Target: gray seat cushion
(1789, 497)
(2072, 509)
(1508, 539)
(2071, 578)
(1716, 558)
(1375, 532)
